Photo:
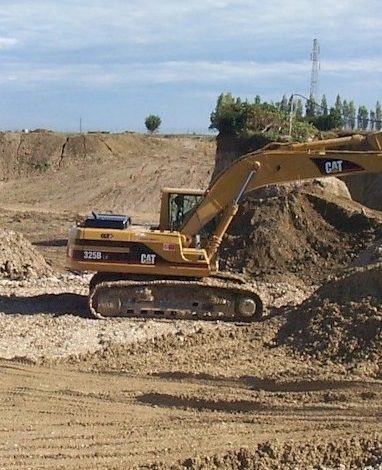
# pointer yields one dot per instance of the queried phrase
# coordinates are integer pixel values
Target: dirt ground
(83, 393)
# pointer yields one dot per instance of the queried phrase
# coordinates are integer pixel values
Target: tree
(331, 121)
(324, 106)
(351, 115)
(310, 107)
(345, 114)
(362, 118)
(237, 118)
(152, 122)
(372, 120)
(230, 115)
(378, 116)
(298, 108)
(284, 105)
(338, 105)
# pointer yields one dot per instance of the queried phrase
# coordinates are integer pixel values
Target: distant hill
(82, 172)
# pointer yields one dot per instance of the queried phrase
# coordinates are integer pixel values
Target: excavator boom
(276, 164)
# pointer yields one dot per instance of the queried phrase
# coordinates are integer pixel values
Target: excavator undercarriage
(212, 298)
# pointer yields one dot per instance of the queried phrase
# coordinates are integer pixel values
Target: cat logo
(147, 258)
(334, 166)
(331, 166)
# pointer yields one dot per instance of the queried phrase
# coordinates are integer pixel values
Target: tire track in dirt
(60, 418)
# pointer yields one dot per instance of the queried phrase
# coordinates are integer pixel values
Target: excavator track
(212, 298)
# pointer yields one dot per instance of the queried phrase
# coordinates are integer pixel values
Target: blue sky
(111, 63)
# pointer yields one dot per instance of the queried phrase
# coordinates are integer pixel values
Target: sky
(106, 65)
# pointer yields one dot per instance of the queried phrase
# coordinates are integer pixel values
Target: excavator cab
(177, 205)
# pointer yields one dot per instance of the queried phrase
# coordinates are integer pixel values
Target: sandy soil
(84, 393)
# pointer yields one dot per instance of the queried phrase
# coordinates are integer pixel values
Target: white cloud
(7, 42)
(74, 24)
(198, 72)
(366, 66)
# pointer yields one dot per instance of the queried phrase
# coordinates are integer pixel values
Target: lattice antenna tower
(315, 58)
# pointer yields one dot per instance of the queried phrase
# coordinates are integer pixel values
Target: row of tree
(233, 116)
(344, 114)
(289, 116)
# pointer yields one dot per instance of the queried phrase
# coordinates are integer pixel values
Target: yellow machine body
(140, 249)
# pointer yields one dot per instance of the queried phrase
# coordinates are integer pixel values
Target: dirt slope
(342, 321)
(304, 233)
(118, 172)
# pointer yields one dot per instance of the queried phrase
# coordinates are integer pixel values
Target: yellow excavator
(171, 270)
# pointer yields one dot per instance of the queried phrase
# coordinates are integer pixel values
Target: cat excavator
(171, 270)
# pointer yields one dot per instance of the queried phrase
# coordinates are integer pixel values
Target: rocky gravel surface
(48, 318)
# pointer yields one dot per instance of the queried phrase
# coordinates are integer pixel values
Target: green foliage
(324, 106)
(351, 121)
(241, 118)
(372, 120)
(284, 105)
(362, 118)
(378, 116)
(152, 122)
(235, 117)
(338, 104)
(310, 108)
(345, 114)
(333, 120)
(230, 115)
(302, 131)
(299, 109)
(40, 166)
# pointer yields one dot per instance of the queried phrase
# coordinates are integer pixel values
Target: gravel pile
(18, 259)
(341, 321)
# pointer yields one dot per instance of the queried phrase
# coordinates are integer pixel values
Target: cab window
(180, 207)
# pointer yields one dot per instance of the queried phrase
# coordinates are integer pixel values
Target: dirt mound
(371, 255)
(342, 321)
(344, 454)
(303, 232)
(366, 189)
(18, 259)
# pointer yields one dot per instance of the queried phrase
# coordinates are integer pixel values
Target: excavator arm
(281, 163)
